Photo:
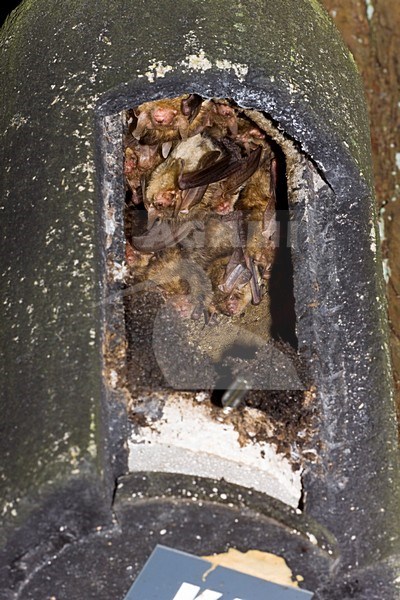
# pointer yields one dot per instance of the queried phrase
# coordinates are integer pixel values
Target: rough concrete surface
(64, 66)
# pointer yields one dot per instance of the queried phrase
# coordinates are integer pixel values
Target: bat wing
(238, 172)
(194, 195)
(162, 235)
(246, 168)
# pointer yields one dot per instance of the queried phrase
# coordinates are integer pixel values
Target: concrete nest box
(194, 341)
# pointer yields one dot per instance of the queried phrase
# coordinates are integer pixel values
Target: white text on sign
(188, 591)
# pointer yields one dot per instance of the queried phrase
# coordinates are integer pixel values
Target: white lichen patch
(118, 271)
(103, 37)
(239, 69)
(398, 160)
(198, 62)
(372, 236)
(18, 121)
(312, 538)
(92, 446)
(157, 69)
(10, 507)
(85, 174)
(194, 61)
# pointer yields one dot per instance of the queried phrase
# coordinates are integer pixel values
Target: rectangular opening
(203, 213)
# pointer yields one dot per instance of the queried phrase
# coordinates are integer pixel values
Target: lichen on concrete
(66, 65)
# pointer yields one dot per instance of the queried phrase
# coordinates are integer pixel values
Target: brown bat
(200, 168)
(242, 252)
(231, 285)
(140, 159)
(180, 182)
(164, 197)
(225, 117)
(257, 204)
(167, 120)
(182, 281)
(249, 136)
(175, 196)
(220, 237)
(221, 197)
(216, 118)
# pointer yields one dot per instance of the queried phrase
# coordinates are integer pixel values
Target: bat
(230, 297)
(140, 159)
(182, 182)
(166, 120)
(182, 282)
(203, 171)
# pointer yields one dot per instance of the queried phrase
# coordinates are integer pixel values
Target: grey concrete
(64, 65)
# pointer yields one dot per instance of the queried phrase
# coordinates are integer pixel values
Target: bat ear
(192, 197)
(190, 106)
(141, 125)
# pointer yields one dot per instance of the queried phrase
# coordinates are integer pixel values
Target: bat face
(167, 120)
(201, 168)
(231, 285)
(236, 303)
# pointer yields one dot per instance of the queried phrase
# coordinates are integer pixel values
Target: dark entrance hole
(282, 308)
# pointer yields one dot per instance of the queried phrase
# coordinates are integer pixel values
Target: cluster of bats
(206, 176)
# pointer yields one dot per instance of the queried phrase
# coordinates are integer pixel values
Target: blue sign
(173, 575)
